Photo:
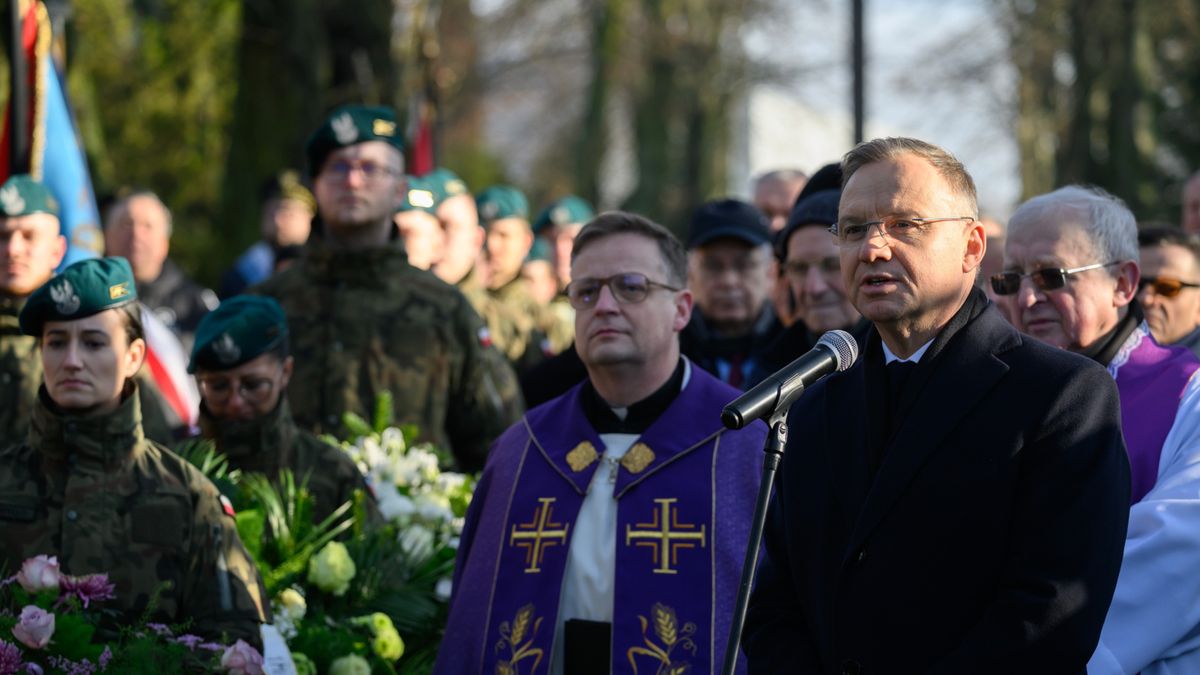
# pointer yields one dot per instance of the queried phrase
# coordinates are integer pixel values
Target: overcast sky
(936, 69)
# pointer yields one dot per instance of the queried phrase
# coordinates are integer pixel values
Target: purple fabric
(684, 613)
(1151, 380)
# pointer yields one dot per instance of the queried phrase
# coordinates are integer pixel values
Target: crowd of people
(1005, 481)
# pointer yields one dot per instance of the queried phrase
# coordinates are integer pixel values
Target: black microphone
(835, 352)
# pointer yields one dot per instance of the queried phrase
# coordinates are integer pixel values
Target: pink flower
(10, 658)
(89, 589)
(39, 573)
(35, 627)
(242, 659)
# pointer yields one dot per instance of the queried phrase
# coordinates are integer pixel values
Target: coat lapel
(964, 373)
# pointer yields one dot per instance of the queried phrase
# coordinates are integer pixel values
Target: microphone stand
(773, 449)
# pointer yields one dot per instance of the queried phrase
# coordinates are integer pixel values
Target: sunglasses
(1167, 287)
(630, 288)
(1046, 279)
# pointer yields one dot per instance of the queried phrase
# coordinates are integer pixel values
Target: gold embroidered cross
(534, 536)
(666, 535)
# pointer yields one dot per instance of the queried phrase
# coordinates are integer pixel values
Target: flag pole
(18, 99)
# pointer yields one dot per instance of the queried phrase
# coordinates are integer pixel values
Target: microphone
(835, 351)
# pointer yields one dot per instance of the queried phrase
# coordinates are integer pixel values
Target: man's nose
(606, 302)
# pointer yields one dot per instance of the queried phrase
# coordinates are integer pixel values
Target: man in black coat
(963, 512)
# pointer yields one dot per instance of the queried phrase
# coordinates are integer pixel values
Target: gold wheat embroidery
(669, 636)
(524, 625)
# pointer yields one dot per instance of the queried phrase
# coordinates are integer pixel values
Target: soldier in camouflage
(459, 264)
(31, 248)
(90, 489)
(364, 322)
(504, 212)
(241, 361)
(557, 225)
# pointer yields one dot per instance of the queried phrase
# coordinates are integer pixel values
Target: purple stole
(685, 494)
(1151, 380)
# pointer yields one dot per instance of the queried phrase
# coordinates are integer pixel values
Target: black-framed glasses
(893, 229)
(628, 288)
(1167, 287)
(1045, 279)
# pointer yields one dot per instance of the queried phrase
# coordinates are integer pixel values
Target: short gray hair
(122, 203)
(1108, 222)
(947, 165)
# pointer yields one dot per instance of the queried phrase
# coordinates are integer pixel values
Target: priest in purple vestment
(608, 529)
(1078, 248)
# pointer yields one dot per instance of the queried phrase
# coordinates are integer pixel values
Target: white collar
(888, 356)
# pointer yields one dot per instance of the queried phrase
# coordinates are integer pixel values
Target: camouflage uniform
(502, 327)
(273, 442)
(94, 492)
(533, 322)
(21, 375)
(366, 322)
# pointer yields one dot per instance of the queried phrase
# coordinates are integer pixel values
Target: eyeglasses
(893, 229)
(630, 288)
(218, 390)
(798, 269)
(1046, 279)
(342, 168)
(1167, 287)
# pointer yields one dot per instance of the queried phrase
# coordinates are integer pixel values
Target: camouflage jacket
(95, 493)
(273, 443)
(366, 322)
(21, 375)
(502, 326)
(533, 322)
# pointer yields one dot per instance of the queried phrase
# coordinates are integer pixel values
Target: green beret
(287, 185)
(88, 287)
(350, 125)
(447, 183)
(238, 330)
(540, 251)
(569, 210)
(21, 195)
(420, 196)
(501, 201)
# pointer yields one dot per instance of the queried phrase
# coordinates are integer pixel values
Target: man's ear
(288, 365)
(683, 310)
(976, 246)
(1127, 283)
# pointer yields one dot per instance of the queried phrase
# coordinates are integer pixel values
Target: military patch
(489, 210)
(638, 458)
(582, 456)
(383, 128)
(66, 301)
(227, 507)
(117, 291)
(344, 129)
(226, 349)
(11, 200)
(422, 199)
(485, 336)
(560, 215)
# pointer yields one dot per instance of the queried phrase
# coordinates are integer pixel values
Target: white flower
(433, 508)
(417, 541)
(443, 589)
(392, 504)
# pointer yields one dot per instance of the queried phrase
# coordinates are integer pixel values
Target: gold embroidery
(670, 636)
(638, 458)
(665, 535)
(523, 625)
(582, 456)
(535, 538)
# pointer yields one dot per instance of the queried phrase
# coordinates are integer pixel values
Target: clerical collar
(639, 416)
(1105, 348)
(888, 356)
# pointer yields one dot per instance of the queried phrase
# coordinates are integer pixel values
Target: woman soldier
(88, 488)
